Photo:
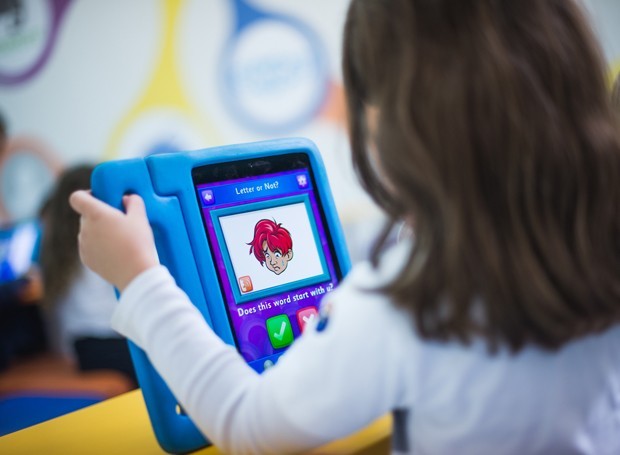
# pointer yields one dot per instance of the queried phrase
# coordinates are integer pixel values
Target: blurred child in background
(21, 327)
(79, 303)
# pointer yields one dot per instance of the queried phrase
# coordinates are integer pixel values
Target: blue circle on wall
(25, 181)
(274, 73)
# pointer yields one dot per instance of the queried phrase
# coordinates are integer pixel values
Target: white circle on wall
(158, 131)
(274, 76)
(25, 29)
(25, 181)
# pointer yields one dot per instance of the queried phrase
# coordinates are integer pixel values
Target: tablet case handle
(110, 182)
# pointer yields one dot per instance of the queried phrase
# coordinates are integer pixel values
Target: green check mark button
(280, 331)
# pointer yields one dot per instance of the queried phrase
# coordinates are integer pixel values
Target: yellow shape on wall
(615, 70)
(163, 111)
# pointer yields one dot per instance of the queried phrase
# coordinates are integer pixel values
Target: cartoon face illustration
(272, 245)
(275, 260)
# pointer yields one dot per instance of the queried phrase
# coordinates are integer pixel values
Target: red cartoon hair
(277, 238)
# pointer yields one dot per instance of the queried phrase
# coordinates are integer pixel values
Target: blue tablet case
(165, 183)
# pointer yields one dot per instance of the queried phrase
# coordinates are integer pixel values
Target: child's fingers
(134, 205)
(87, 205)
(78, 201)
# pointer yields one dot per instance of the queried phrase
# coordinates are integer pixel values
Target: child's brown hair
(60, 259)
(496, 140)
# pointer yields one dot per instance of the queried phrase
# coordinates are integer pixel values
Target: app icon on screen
(207, 197)
(302, 181)
(280, 331)
(245, 284)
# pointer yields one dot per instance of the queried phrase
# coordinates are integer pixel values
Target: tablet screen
(273, 254)
(17, 250)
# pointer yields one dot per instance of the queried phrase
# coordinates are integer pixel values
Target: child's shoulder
(390, 264)
(360, 298)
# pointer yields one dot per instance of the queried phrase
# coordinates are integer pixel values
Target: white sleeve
(327, 385)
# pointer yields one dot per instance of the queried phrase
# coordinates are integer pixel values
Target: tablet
(251, 234)
(274, 256)
(18, 249)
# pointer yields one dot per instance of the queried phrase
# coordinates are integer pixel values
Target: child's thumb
(134, 206)
(86, 205)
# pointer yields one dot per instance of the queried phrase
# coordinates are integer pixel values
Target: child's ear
(289, 255)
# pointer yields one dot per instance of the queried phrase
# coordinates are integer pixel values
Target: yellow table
(121, 426)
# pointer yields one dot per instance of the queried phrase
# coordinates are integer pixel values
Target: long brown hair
(497, 138)
(60, 261)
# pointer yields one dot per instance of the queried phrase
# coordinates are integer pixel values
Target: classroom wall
(605, 15)
(95, 80)
(91, 80)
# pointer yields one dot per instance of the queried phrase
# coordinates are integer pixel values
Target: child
(79, 302)
(486, 126)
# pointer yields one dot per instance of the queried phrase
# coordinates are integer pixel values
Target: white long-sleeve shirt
(84, 310)
(448, 398)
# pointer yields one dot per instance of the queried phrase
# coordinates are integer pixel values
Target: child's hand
(113, 244)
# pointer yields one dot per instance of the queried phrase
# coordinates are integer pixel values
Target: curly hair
(276, 237)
